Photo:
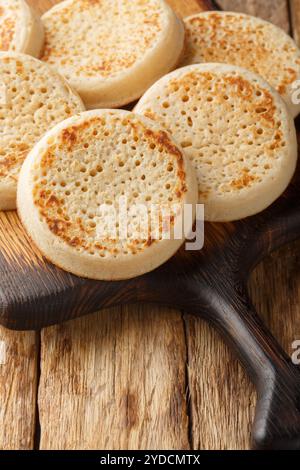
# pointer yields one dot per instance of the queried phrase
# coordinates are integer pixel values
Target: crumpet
(33, 98)
(235, 129)
(248, 42)
(21, 30)
(72, 187)
(112, 51)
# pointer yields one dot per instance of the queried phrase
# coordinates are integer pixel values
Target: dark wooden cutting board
(211, 284)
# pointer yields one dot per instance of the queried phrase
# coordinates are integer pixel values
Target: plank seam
(37, 423)
(187, 385)
(290, 17)
(213, 5)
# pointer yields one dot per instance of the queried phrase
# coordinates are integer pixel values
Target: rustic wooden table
(144, 377)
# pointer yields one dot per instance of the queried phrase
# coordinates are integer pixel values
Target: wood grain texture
(115, 380)
(125, 386)
(295, 17)
(275, 290)
(213, 371)
(275, 11)
(18, 386)
(222, 398)
(19, 375)
(190, 7)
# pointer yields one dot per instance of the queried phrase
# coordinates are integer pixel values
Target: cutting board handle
(277, 379)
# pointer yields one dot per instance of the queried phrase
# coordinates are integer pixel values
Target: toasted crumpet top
(246, 41)
(236, 130)
(19, 26)
(33, 98)
(92, 42)
(107, 53)
(92, 160)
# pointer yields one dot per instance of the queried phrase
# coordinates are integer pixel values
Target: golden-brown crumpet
(249, 42)
(112, 51)
(235, 129)
(21, 30)
(33, 98)
(87, 176)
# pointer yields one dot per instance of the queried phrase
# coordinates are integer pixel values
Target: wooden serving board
(211, 284)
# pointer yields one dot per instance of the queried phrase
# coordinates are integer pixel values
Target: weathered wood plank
(295, 16)
(18, 384)
(188, 7)
(275, 11)
(222, 397)
(275, 288)
(19, 376)
(115, 380)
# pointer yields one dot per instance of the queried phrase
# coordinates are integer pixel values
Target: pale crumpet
(33, 98)
(112, 51)
(248, 42)
(235, 129)
(21, 29)
(87, 191)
